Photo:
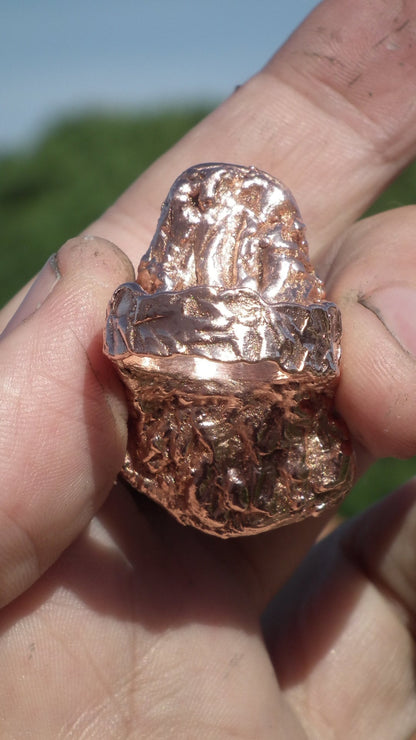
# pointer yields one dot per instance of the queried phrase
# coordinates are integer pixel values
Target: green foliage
(402, 192)
(54, 191)
(380, 479)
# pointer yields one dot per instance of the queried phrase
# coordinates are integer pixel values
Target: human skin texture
(118, 622)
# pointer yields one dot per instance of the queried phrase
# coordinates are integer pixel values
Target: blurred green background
(53, 190)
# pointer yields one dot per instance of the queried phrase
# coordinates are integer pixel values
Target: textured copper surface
(230, 355)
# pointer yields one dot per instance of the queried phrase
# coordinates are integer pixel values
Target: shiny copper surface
(230, 355)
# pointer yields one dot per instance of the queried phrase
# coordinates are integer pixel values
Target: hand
(117, 622)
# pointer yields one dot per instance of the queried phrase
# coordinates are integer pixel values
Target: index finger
(332, 115)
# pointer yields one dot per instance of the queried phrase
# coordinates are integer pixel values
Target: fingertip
(63, 429)
(377, 391)
(96, 257)
(97, 260)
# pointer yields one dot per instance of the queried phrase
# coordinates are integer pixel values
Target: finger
(372, 282)
(349, 613)
(62, 428)
(332, 115)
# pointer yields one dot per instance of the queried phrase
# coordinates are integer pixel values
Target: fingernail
(395, 306)
(40, 290)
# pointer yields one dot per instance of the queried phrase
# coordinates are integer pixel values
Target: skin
(117, 622)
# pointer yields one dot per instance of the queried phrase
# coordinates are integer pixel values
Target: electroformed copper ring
(230, 356)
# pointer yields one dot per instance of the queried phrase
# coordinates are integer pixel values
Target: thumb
(63, 421)
(373, 281)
